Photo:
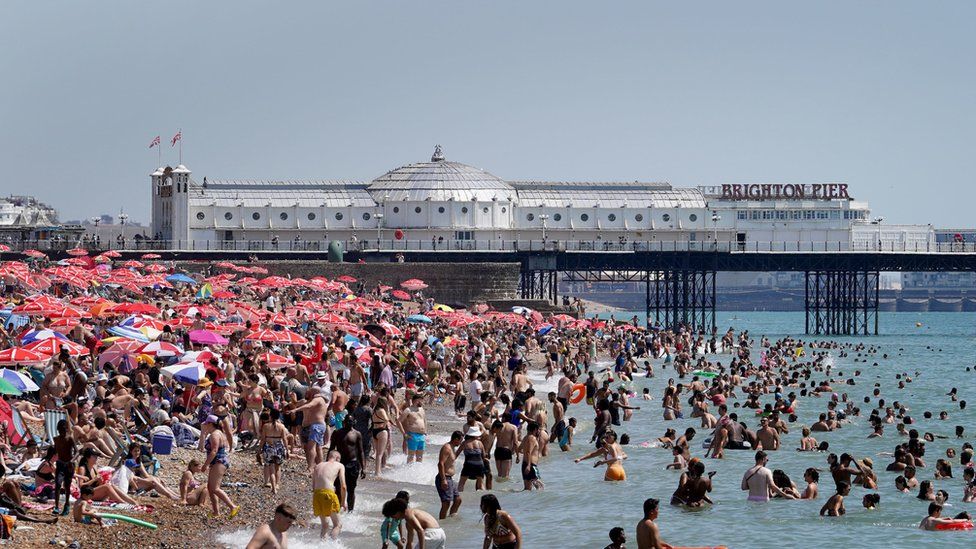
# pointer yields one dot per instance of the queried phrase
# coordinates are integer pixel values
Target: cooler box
(162, 444)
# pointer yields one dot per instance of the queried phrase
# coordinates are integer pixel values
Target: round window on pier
(311, 216)
(228, 216)
(338, 216)
(440, 209)
(557, 217)
(692, 218)
(283, 216)
(464, 209)
(396, 209)
(612, 217)
(366, 216)
(417, 209)
(255, 216)
(585, 217)
(639, 218)
(200, 216)
(666, 217)
(530, 217)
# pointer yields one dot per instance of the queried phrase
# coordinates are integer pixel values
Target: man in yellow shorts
(325, 503)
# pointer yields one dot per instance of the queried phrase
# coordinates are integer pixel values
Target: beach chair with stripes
(51, 419)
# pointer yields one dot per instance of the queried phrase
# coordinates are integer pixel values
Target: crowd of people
(339, 376)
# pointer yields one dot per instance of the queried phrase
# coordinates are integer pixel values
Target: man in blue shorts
(414, 422)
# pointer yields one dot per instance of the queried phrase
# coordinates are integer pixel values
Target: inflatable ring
(577, 393)
(955, 525)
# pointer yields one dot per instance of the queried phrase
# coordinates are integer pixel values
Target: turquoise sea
(578, 508)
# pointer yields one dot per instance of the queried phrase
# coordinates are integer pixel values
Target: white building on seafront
(443, 204)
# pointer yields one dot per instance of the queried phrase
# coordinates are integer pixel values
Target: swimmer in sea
(693, 487)
(613, 456)
(835, 504)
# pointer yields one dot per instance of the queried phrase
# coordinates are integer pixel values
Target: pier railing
(616, 245)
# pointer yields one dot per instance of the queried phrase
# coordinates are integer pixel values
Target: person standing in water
(274, 535)
(758, 480)
(613, 456)
(648, 536)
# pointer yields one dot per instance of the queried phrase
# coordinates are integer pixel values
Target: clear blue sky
(875, 94)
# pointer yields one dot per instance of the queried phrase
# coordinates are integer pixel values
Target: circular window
(366, 216)
(639, 217)
(200, 216)
(339, 216)
(504, 209)
(692, 217)
(464, 209)
(612, 217)
(311, 216)
(255, 216)
(530, 217)
(440, 210)
(666, 217)
(485, 210)
(283, 216)
(417, 209)
(228, 216)
(585, 217)
(557, 217)
(396, 209)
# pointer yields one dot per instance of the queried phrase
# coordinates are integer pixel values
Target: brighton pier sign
(815, 191)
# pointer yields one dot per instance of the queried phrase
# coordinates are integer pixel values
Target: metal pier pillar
(842, 302)
(682, 298)
(539, 279)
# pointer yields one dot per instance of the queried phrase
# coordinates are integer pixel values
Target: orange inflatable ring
(956, 525)
(577, 393)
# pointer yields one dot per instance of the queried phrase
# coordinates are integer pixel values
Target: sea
(577, 509)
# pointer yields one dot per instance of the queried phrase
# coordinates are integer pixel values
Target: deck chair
(51, 419)
(121, 449)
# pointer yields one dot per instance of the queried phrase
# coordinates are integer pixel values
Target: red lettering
(726, 191)
(832, 190)
(777, 191)
(766, 189)
(753, 191)
(817, 187)
(843, 191)
(789, 191)
(737, 192)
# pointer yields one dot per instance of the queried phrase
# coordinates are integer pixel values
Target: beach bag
(120, 479)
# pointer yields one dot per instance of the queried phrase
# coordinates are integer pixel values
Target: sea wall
(448, 282)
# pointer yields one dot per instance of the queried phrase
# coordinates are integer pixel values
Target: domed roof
(439, 180)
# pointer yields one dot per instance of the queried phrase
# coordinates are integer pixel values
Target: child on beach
(679, 459)
(191, 491)
(83, 512)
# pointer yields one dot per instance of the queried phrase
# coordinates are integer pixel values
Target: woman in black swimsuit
(474, 458)
(381, 434)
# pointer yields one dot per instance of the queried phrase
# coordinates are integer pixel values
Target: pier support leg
(842, 302)
(682, 298)
(539, 284)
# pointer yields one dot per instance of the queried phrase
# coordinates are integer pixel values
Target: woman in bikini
(273, 448)
(501, 531)
(381, 433)
(191, 491)
(254, 397)
(613, 456)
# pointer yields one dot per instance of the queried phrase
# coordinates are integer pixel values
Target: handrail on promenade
(618, 245)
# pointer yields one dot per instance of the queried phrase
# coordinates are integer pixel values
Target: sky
(877, 94)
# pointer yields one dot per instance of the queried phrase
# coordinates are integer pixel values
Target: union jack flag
(177, 137)
(155, 142)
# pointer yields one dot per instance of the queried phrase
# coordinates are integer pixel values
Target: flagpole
(181, 145)
(159, 155)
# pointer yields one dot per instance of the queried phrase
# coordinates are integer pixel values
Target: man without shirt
(758, 480)
(325, 503)
(444, 481)
(274, 535)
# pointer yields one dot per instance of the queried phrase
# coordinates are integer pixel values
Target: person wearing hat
(474, 457)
